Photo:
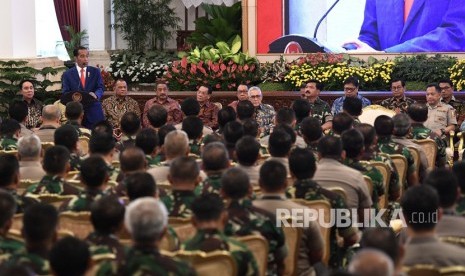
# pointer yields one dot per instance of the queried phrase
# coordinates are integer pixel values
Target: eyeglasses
(255, 96)
(445, 88)
(350, 89)
(394, 88)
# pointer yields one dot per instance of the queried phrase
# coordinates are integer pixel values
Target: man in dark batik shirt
(399, 103)
(208, 110)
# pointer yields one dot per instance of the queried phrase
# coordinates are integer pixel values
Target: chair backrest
(293, 236)
(452, 270)
(76, 222)
(371, 112)
(72, 175)
(53, 199)
(369, 183)
(24, 184)
(431, 149)
(178, 221)
(460, 146)
(386, 173)
(416, 157)
(323, 207)
(400, 162)
(16, 234)
(17, 222)
(164, 186)
(46, 145)
(115, 163)
(258, 245)
(211, 263)
(459, 241)
(185, 232)
(422, 270)
(340, 191)
(13, 152)
(83, 145)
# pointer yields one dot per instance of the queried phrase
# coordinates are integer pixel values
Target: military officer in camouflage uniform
(215, 160)
(319, 108)
(8, 246)
(399, 102)
(384, 128)
(40, 224)
(147, 140)
(302, 165)
(94, 176)
(146, 219)
(10, 130)
(245, 219)
(370, 154)
(447, 97)
(107, 215)
(103, 143)
(264, 113)
(311, 132)
(353, 144)
(183, 177)
(56, 165)
(418, 114)
(209, 218)
(9, 180)
(441, 116)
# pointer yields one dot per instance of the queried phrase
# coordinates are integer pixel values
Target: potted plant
(75, 39)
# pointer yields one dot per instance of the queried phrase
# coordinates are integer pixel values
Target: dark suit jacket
(93, 113)
(432, 26)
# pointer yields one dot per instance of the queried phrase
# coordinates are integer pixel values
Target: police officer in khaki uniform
(441, 116)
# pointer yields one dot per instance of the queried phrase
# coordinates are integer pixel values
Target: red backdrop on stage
(269, 23)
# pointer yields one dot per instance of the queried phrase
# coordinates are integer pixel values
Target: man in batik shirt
(399, 103)
(34, 106)
(172, 106)
(117, 105)
(264, 113)
(208, 110)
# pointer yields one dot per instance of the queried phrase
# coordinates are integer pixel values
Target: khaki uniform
(440, 116)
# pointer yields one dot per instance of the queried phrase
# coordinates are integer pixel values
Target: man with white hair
(50, 122)
(371, 262)
(264, 113)
(29, 149)
(146, 220)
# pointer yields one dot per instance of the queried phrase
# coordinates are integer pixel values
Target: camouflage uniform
(101, 245)
(321, 110)
(53, 185)
(149, 261)
(22, 202)
(8, 143)
(152, 161)
(386, 145)
(394, 103)
(194, 146)
(373, 173)
(210, 185)
(245, 219)
(75, 162)
(82, 131)
(264, 115)
(309, 190)
(208, 240)
(420, 132)
(460, 207)
(83, 201)
(113, 173)
(37, 263)
(125, 142)
(394, 182)
(8, 247)
(459, 107)
(178, 203)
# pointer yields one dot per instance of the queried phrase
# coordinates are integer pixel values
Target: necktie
(407, 7)
(83, 78)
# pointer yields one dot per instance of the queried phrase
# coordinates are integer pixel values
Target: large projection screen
(430, 26)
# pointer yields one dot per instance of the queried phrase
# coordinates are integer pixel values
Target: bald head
(176, 144)
(51, 114)
(371, 262)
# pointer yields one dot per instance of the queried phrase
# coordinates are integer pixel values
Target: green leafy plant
(145, 24)
(274, 71)
(223, 51)
(75, 39)
(221, 23)
(136, 67)
(457, 74)
(13, 72)
(422, 68)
